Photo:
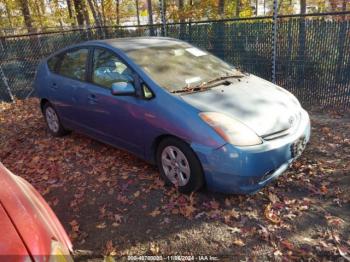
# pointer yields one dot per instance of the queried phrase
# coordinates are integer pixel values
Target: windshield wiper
(191, 89)
(206, 85)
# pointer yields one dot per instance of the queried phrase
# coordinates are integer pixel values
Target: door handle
(92, 99)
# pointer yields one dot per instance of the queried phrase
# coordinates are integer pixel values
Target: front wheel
(179, 166)
(53, 122)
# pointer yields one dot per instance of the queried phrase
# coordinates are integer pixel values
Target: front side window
(108, 69)
(73, 64)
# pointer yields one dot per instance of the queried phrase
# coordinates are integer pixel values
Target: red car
(29, 229)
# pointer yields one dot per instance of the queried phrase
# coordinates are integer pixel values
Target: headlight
(230, 129)
(59, 253)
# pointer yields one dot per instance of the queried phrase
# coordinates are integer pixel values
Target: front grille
(278, 134)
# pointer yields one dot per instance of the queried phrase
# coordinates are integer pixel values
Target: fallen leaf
(238, 242)
(155, 212)
(270, 215)
(137, 194)
(101, 225)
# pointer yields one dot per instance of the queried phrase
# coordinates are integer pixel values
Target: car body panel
(136, 124)
(31, 216)
(249, 100)
(11, 245)
(251, 167)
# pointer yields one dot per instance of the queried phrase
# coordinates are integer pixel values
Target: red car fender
(32, 217)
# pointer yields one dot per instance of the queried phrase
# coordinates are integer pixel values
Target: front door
(115, 119)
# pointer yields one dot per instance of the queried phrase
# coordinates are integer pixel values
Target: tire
(179, 166)
(53, 121)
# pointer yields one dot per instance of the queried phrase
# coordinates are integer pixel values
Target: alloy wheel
(52, 119)
(175, 165)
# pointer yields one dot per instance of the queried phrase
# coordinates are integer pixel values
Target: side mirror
(123, 89)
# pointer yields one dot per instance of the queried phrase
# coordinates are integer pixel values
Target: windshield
(179, 65)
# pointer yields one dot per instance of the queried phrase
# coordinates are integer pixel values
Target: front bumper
(245, 170)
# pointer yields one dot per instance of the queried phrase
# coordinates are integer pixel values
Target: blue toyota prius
(198, 118)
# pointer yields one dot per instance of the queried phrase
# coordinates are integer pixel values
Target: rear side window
(73, 64)
(52, 63)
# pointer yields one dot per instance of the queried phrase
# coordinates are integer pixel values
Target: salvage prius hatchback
(197, 117)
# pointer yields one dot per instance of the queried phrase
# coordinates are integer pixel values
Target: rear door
(69, 75)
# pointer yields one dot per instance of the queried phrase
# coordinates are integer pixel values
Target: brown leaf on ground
(239, 242)
(270, 215)
(155, 212)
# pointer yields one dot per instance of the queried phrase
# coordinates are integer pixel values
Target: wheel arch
(43, 101)
(160, 138)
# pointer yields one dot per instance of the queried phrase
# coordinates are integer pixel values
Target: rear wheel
(52, 120)
(179, 166)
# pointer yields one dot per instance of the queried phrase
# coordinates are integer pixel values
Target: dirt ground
(112, 203)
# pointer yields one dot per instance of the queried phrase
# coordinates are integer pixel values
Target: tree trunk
(238, 2)
(38, 11)
(103, 12)
(70, 11)
(78, 5)
(26, 15)
(94, 13)
(302, 6)
(98, 11)
(86, 13)
(181, 10)
(221, 8)
(150, 16)
(182, 20)
(8, 13)
(344, 6)
(333, 5)
(137, 12)
(117, 4)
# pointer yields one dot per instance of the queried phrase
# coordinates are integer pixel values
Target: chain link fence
(312, 57)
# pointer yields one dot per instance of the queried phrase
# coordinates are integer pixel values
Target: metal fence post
(274, 40)
(3, 77)
(162, 16)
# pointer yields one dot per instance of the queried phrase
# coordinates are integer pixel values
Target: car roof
(133, 43)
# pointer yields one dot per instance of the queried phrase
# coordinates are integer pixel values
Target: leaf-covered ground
(111, 202)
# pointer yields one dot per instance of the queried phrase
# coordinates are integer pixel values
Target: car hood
(33, 219)
(259, 104)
